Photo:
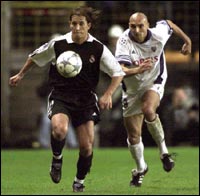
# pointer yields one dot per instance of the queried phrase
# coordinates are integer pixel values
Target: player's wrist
(21, 74)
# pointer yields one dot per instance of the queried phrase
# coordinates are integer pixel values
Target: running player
(74, 99)
(140, 51)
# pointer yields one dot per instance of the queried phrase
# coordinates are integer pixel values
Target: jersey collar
(69, 38)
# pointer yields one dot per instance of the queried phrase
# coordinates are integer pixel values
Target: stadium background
(25, 25)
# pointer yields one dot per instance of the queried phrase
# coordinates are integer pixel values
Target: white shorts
(131, 104)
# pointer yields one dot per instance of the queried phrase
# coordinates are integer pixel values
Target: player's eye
(141, 26)
(81, 23)
(74, 23)
(78, 23)
(133, 26)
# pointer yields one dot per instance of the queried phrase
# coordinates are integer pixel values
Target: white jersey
(132, 54)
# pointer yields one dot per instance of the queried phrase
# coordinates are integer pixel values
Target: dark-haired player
(74, 99)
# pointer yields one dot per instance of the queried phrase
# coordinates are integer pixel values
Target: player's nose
(137, 29)
(77, 27)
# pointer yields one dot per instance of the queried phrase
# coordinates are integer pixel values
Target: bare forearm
(130, 71)
(27, 66)
(187, 46)
(178, 31)
(115, 82)
(142, 67)
(14, 80)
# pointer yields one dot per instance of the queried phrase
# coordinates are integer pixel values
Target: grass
(26, 172)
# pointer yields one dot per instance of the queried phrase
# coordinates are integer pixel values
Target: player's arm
(110, 66)
(142, 67)
(187, 46)
(14, 80)
(40, 57)
(105, 101)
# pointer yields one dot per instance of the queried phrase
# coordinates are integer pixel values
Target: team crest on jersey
(92, 59)
(153, 48)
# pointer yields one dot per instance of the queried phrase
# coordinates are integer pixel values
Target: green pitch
(26, 172)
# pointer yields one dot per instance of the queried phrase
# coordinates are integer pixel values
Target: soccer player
(74, 99)
(140, 51)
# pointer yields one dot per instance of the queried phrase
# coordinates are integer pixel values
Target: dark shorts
(79, 112)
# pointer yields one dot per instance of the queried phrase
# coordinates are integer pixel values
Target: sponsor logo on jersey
(139, 61)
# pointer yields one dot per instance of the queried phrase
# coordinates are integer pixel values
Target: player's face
(138, 27)
(79, 27)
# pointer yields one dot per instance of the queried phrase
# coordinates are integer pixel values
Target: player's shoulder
(125, 34)
(96, 44)
(124, 38)
(161, 24)
(161, 29)
(93, 40)
(59, 37)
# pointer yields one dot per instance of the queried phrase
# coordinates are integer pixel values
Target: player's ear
(147, 24)
(69, 22)
(89, 25)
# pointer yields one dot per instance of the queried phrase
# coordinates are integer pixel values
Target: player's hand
(146, 65)
(14, 80)
(186, 49)
(105, 102)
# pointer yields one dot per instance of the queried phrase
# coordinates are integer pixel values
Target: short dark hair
(90, 13)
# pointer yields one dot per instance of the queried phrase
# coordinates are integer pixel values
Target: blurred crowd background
(25, 25)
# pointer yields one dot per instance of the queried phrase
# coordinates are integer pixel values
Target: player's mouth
(78, 32)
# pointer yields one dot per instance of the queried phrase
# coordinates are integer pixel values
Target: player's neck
(79, 40)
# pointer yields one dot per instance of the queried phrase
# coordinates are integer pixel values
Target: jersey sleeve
(122, 51)
(163, 31)
(109, 64)
(44, 54)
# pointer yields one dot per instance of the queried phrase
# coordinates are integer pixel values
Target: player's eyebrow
(134, 25)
